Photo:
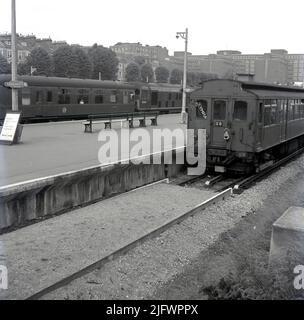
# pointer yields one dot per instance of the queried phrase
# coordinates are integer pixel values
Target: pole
(184, 114)
(14, 58)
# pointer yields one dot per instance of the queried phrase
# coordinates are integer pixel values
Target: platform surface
(53, 148)
(39, 255)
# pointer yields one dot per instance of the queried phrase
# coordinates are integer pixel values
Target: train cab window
(240, 110)
(49, 96)
(219, 110)
(201, 107)
(39, 97)
(83, 96)
(26, 97)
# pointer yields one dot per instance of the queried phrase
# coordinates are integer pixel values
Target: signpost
(11, 131)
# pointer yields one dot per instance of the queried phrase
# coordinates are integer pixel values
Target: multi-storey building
(275, 67)
(25, 44)
(150, 53)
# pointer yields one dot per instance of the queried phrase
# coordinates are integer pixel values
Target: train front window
(240, 110)
(201, 107)
(219, 110)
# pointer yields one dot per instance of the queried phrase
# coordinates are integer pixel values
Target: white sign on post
(10, 125)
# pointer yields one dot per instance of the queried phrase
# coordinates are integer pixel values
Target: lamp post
(184, 35)
(14, 58)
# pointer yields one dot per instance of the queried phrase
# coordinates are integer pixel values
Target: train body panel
(65, 98)
(247, 124)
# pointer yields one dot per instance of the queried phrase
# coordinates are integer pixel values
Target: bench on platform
(119, 117)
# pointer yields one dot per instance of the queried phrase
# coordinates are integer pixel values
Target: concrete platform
(53, 148)
(44, 253)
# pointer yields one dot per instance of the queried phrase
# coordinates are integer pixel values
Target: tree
(139, 60)
(65, 62)
(40, 60)
(147, 73)
(132, 72)
(162, 75)
(176, 76)
(84, 65)
(104, 62)
(4, 65)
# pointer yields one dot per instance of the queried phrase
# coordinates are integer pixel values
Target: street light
(14, 58)
(184, 35)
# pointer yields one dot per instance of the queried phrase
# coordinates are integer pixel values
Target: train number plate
(219, 169)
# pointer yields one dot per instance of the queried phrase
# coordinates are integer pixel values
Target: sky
(254, 26)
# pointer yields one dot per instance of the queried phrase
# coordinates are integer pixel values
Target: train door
(242, 124)
(219, 122)
(154, 99)
(283, 119)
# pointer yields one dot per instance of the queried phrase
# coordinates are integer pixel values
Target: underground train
(51, 98)
(248, 125)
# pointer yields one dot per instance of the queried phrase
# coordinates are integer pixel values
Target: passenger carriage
(248, 125)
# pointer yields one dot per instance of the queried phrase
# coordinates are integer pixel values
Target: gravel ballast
(144, 270)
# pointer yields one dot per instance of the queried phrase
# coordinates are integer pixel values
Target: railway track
(213, 199)
(219, 183)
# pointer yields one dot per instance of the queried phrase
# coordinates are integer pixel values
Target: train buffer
(109, 119)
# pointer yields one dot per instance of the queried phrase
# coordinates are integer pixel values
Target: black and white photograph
(151, 153)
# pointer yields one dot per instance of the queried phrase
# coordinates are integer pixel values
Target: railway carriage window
(154, 98)
(240, 110)
(260, 112)
(113, 97)
(201, 107)
(170, 96)
(173, 104)
(290, 110)
(125, 97)
(219, 110)
(176, 96)
(83, 96)
(49, 96)
(99, 99)
(167, 104)
(267, 112)
(39, 97)
(144, 95)
(26, 97)
(64, 96)
(159, 104)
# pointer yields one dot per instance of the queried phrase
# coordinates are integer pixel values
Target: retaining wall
(28, 201)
